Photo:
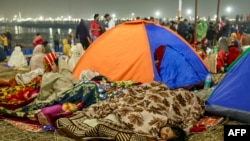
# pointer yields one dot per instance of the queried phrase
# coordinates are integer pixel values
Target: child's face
(167, 133)
(54, 67)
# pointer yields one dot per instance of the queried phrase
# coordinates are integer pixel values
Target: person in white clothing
(17, 59)
(109, 23)
(75, 54)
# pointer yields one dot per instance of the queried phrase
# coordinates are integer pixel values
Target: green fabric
(47, 49)
(238, 58)
(201, 30)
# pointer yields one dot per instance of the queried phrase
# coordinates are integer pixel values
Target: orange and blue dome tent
(127, 52)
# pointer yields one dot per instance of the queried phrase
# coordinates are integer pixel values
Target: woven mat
(25, 125)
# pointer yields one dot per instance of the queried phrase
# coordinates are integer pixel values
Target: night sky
(122, 8)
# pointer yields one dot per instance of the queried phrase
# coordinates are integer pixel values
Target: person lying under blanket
(59, 94)
(140, 112)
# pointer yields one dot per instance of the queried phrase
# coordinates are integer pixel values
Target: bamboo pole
(195, 20)
(218, 12)
(217, 21)
(179, 10)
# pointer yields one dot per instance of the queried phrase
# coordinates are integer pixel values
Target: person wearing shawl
(47, 47)
(223, 44)
(38, 40)
(235, 39)
(245, 41)
(17, 59)
(201, 30)
(66, 47)
(56, 80)
(75, 54)
(233, 52)
(82, 34)
(36, 70)
(36, 60)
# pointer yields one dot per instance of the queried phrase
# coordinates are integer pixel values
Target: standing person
(82, 34)
(173, 26)
(109, 23)
(71, 39)
(38, 40)
(182, 28)
(75, 54)
(66, 47)
(9, 37)
(4, 41)
(95, 27)
(210, 35)
(57, 39)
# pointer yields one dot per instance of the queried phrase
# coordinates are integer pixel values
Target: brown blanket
(143, 109)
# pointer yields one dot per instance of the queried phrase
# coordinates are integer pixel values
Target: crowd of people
(225, 39)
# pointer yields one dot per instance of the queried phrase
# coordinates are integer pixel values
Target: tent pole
(179, 10)
(217, 21)
(195, 21)
(218, 12)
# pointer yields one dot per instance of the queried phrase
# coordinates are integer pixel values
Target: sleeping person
(138, 113)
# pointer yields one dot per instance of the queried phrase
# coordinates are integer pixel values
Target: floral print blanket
(143, 109)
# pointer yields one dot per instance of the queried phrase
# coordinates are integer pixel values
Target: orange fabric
(13, 82)
(8, 83)
(110, 57)
(238, 36)
(4, 83)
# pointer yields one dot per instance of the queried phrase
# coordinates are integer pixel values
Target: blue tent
(231, 98)
(178, 59)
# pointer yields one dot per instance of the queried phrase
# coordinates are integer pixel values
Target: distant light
(113, 15)
(41, 18)
(70, 30)
(157, 13)
(133, 14)
(228, 9)
(189, 11)
(215, 16)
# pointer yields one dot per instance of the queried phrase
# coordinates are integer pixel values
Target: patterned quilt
(143, 109)
(18, 101)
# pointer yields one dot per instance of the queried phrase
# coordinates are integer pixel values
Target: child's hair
(45, 43)
(179, 132)
(99, 78)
